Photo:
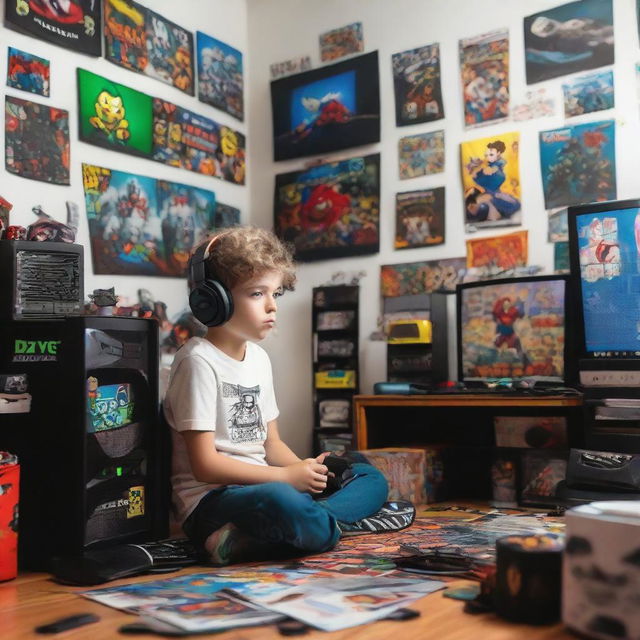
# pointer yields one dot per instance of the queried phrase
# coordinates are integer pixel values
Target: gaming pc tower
(79, 407)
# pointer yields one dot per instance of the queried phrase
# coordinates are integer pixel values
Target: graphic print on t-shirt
(244, 416)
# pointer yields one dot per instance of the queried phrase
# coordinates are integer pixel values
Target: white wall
(279, 30)
(222, 19)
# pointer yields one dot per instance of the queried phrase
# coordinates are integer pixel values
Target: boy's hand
(307, 476)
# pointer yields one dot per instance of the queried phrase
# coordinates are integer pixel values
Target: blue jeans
(282, 520)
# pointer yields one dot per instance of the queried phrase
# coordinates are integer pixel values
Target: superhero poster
(578, 164)
(114, 116)
(484, 68)
(499, 253)
(415, 278)
(513, 329)
(27, 72)
(491, 181)
(588, 93)
(573, 37)
(73, 24)
(330, 210)
(220, 75)
(416, 83)
(421, 155)
(143, 226)
(36, 141)
(141, 40)
(341, 42)
(190, 141)
(419, 218)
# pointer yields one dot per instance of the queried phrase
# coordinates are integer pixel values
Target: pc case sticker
(491, 181)
(341, 42)
(27, 72)
(36, 350)
(573, 37)
(141, 40)
(14, 393)
(578, 164)
(421, 155)
(416, 84)
(142, 226)
(74, 24)
(415, 278)
(220, 75)
(420, 218)
(136, 505)
(37, 141)
(484, 68)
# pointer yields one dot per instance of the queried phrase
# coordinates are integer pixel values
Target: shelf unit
(335, 321)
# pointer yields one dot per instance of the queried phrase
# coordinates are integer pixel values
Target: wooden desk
(34, 599)
(370, 433)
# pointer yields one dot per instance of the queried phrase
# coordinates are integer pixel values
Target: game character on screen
(239, 491)
(505, 313)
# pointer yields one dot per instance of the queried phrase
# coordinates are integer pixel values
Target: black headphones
(210, 300)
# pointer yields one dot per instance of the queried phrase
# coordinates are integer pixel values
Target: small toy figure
(48, 229)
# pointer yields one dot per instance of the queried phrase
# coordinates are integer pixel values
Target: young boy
(238, 489)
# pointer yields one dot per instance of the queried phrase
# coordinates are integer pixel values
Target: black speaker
(210, 300)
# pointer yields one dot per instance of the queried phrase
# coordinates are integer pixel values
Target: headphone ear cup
(211, 303)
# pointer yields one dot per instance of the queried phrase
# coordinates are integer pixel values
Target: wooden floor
(34, 599)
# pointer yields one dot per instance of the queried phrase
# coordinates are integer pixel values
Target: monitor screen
(512, 328)
(604, 245)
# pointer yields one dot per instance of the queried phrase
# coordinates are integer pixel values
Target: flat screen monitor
(604, 246)
(514, 329)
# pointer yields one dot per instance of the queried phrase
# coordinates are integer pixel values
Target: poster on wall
(143, 226)
(141, 40)
(499, 253)
(484, 68)
(330, 210)
(572, 37)
(415, 278)
(578, 164)
(558, 225)
(226, 216)
(491, 181)
(36, 141)
(416, 84)
(421, 155)
(113, 116)
(73, 24)
(220, 75)
(420, 218)
(190, 141)
(327, 109)
(588, 93)
(341, 42)
(27, 72)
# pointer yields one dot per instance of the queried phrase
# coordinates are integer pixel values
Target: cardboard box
(414, 474)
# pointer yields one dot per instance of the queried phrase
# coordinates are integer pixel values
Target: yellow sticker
(136, 502)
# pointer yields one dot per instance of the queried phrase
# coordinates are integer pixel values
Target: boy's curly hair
(241, 253)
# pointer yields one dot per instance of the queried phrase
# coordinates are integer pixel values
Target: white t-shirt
(210, 391)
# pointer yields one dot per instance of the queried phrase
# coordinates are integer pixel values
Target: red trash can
(9, 493)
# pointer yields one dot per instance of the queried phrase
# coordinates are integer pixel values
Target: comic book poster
(190, 141)
(513, 329)
(330, 210)
(27, 72)
(558, 225)
(537, 103)
(561, 262)
(419, 218)
(73, 24)
(501, 253)
(484, 68)
(541, 472)
(578, 164)
(143, 226)
(491, 181)
(573, 37)
(288, 67)
(341, 42)
(588, 93)
(220, 75)
(36, 141)
(226, 216)
(141, 40)
(421, 155)
(416, 84)
(415, 278)
(526, 432)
